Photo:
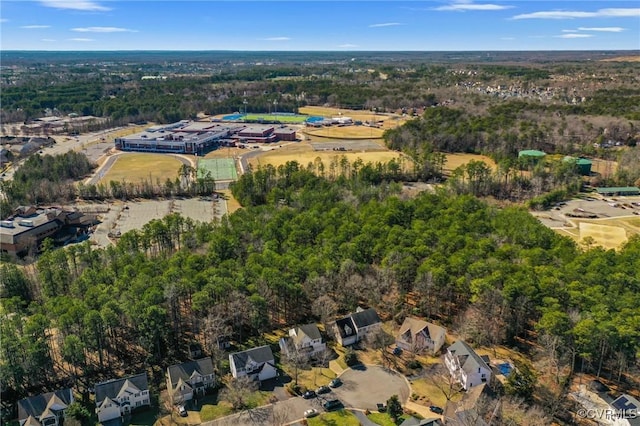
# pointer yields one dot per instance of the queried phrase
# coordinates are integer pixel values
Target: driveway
(362, 388)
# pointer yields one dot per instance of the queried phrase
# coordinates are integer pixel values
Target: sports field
(608, 233)
(345, 132)
(292, 119)
(386, 121)
(134, 167)
(304, 154)
(220, 168)
(456, 160)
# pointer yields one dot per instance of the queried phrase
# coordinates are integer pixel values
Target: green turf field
(220, 168)
(281, 118)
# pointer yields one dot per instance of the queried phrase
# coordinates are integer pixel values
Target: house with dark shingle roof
(305, 339)
(45, 409)
(356, 326)
(257, 363)
(190, 378)
(416, 335)
(466, 366)
(118, 397)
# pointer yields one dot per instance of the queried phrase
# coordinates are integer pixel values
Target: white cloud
(569, 31)
(35, 27)
(276, 39)
(85, 5)
(574, 35)
(3, 20)
(347, 45)
(386, 24)
(603, 29)
(48, 40)
(464, 6)
(103, 30)
(81, 39)
(572, 14)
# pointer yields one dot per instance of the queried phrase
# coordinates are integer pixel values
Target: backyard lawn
(384, 419)
(340, 417)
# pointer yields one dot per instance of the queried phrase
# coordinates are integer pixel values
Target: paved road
(362, 388)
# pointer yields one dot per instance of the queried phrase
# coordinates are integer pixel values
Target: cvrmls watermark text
(608, 413)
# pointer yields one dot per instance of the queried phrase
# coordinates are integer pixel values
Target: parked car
(332, 404)
(335, 383)
(397, 351)
(436, 410)
(309, 394)
(182, 411)
(323, 389)
(311, 412)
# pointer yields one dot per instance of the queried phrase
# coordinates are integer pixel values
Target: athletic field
(292, 119)
(220, 168)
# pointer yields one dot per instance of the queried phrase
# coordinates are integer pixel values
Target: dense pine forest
(306, 248)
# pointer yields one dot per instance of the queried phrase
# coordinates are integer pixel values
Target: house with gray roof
(356, 326)
(257, 363)
(305, 339)
(45, 409)
(118, 397)
(466, 366)
(416, 335)
(476, 405)
(189, 379)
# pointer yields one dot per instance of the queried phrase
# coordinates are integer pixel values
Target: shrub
(350, 357)
(414, 364)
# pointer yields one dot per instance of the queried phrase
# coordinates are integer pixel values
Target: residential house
(417, 335)
(118, 397)
(473, 409)
(45, 409)
(190, 378)
(305, 339)
(466, 366)
(257, 364)
(356, 326)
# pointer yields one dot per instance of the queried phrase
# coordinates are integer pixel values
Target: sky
(385, 25)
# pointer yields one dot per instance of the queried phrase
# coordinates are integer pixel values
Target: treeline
(55, 179)
(322, 251)
(44, 179)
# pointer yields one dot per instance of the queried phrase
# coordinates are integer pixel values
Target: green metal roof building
(584, 165)
(531, 153)
(619, 190)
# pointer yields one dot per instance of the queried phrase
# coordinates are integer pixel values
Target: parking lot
(350, 145)
(585, 207)
(122, 217)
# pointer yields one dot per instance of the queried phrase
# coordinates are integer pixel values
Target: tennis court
(220, 168)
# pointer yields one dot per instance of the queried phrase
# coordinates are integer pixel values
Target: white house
(257, 363)
(118, 397)
(45, 409)
(417, 335)
(466, 366)
(190, 378)
(305, 339)
(355, 327)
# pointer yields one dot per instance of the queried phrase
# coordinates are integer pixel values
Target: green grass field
(220, 168)
(293, 119)
(340, 417)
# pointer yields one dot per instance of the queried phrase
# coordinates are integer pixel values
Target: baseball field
(608, 233)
